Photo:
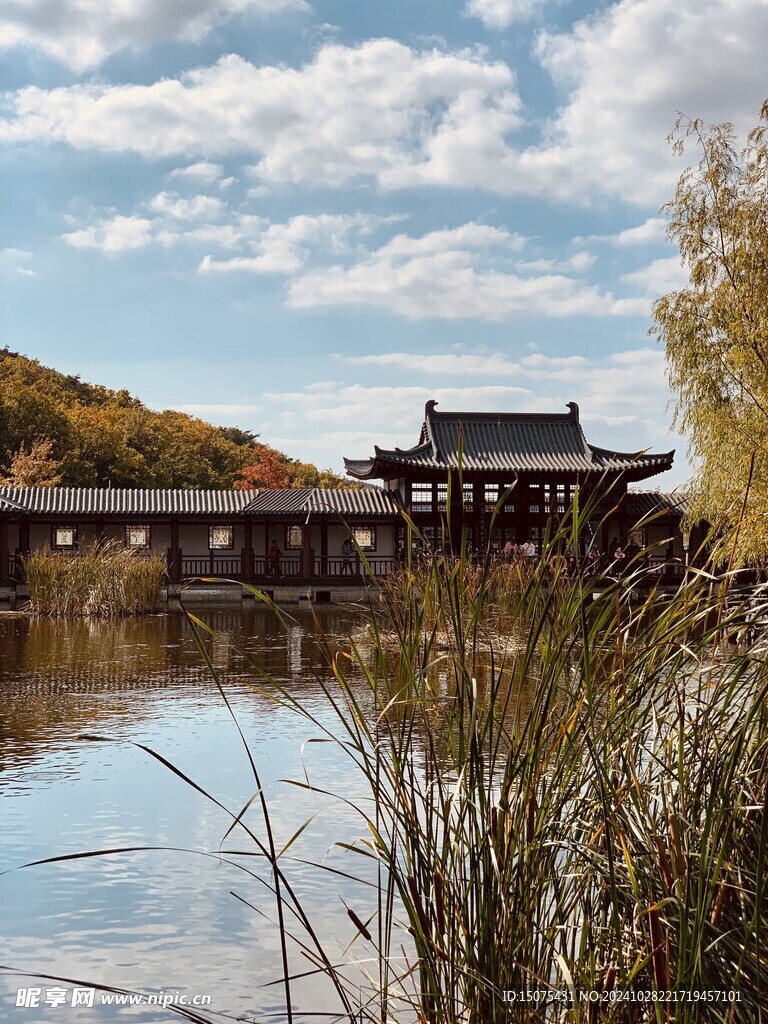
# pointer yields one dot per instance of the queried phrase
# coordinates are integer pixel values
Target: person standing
(510, 551)
(528, 549)
(274, 555)
(346, 556)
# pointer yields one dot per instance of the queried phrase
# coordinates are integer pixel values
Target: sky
(309, 217)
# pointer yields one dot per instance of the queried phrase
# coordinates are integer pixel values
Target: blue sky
(308, 217)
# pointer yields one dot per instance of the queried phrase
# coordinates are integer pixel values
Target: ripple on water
(160, 918)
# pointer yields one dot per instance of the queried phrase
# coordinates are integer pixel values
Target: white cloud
(83, 33)
(451, 275)
(17, 260)
(112, 235)
(660, 276)
(501, 13)
(211, 410)
(651, 232)
(384, 112)
(465, 272)
(199, 207)
(622, 399)
(379, 110)
(274, 248)
(626, 72)
(580, 261)
(284, 248)
(620, 384)
(203, 171)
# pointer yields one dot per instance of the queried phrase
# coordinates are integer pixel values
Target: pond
(164, 920)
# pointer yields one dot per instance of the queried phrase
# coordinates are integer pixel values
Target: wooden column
(622, 515)
(306, 550)
(522, 500)
(246, 557)
(456, 514)
(24, 536)
(174, 553)
(101, 531)
(324, 548)
(4, 577)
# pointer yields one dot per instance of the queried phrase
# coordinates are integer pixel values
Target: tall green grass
(101, 579)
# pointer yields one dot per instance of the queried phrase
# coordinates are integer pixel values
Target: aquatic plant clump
(102, 580)
(572, 825)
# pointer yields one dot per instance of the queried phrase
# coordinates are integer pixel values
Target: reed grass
(575, 824)
(101, 580)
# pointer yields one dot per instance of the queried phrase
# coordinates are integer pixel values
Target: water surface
(163, 919)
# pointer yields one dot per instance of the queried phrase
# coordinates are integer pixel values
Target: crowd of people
(616, 561)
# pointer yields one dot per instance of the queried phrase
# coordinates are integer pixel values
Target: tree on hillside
(716, 329)
(305, 474)
(102, 436)
(35, 467)
(267, 467)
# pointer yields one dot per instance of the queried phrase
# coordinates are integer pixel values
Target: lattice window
(138, 537)
(64, 538)
(221, 538)
(365, 536)
(293, 538)
(421, 497)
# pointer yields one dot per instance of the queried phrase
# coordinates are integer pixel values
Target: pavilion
(531, 463)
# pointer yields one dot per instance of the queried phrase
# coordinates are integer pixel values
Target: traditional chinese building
(510, 473)
(223, 533)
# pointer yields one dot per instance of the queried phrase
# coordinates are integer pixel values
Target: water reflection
(165, 919)
(160, 919)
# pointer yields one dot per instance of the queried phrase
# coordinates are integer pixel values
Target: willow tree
(716, 329)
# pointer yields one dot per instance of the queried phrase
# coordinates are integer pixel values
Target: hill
(57, 429)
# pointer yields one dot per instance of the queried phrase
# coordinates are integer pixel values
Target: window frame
(356, 540)
(55, 545)
(287, 545)
(422, 496)
(220, 547)
(138, 526)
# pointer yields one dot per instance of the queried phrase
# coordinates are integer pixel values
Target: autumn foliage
(57, 429)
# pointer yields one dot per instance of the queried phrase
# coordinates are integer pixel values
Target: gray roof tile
(125, 501)
(505, 443)
(365, 501)
(654, 503)
(98, 501)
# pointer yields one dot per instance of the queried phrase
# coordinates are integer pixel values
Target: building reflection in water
(162, 919)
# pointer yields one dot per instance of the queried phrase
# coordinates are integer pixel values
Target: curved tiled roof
(370, 501)
(507, 443)
(364, 501)
(640, 504)
(125, 501)
(106, 501)
(279, 501)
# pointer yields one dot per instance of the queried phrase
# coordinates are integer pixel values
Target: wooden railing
(352, 566)
(211, 566)
(284, 566)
